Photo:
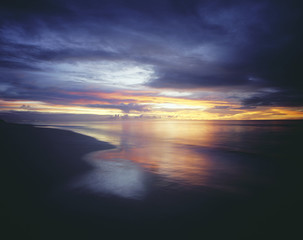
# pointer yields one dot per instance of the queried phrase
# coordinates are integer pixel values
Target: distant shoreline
(29, 117)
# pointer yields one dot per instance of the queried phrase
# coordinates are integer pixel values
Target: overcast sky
(171, 59)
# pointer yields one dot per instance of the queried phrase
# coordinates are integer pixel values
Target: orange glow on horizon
(153, 107)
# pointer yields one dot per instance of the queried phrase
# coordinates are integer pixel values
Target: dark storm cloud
(284, 98)
(25, 91)
(188, 44)
(16, 65)
(204, 75)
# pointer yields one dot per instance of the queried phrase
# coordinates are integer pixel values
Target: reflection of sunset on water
(170, 149)
(176, 164)
(212, 154)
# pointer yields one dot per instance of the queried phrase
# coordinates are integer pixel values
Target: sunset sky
(168, 59)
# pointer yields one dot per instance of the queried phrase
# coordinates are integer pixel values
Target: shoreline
(35, 161)
(55, 153)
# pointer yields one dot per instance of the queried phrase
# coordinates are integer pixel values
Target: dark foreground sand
(34, 161)
(37, 163)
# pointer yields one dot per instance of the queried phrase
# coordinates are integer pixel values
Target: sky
(163, 59)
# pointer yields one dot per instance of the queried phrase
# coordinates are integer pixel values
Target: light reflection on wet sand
(117, 177)
(173, 163)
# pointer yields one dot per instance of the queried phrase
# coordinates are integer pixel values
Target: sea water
(229, 156)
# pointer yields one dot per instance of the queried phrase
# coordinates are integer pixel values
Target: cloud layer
(50, 49)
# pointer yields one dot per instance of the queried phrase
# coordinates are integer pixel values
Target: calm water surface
(229, 156)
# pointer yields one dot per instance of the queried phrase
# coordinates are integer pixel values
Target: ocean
(221, 155)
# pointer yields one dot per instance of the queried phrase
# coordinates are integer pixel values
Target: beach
(50, 190)
(35, 162)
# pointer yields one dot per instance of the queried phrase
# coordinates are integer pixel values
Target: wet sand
(34, 163)
(38, 163)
